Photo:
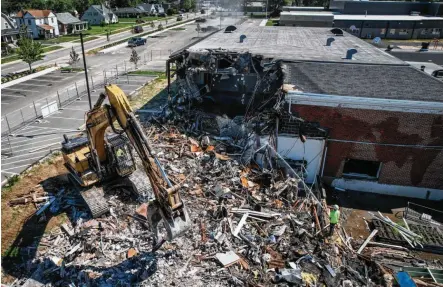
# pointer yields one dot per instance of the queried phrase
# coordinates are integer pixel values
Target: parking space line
(12, 173)
(33, 143)
(25, 165)
(36, 148)
(66, 118)
(71, 109)
(59, 129)
(3, 103)
(25, 139)
(18, 90)
(14, 96)
(17, 162)
(27, 154)
(31, 84)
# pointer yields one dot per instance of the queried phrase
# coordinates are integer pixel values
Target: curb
(29, 77)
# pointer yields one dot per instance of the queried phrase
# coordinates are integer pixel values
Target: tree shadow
(22, 260)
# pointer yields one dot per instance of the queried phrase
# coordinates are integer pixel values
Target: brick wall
(421, 167)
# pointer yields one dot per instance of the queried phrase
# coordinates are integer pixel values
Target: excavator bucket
(175, 226)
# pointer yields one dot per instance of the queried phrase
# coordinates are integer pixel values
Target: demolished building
(340, 109)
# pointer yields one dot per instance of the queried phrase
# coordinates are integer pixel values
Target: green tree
(187, 4)
(135, 58)
(30, 51)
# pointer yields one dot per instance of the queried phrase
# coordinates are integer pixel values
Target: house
(42, 23)
(353, 115)
(96, 14)
(151, 9)
(68, 24)
(255, 8)
(128, 12)
(10, 31)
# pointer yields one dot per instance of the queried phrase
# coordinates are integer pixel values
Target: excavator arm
(169, 205)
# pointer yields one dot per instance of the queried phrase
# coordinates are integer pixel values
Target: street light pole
(266, 10)
(86, 70)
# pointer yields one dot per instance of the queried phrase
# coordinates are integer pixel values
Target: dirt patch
(46, 175)
(155, 89)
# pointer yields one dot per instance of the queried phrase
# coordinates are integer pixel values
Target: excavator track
(141, 186)
(95, 200)
(93, 197)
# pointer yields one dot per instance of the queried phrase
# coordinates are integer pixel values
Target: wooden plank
(367, 241)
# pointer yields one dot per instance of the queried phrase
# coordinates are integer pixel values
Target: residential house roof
(38, 13)
(103, 9)
(10, 22)
(46, 27)
(67, 18)
(146, 7)
(128, 10)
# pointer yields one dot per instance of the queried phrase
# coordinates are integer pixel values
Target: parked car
(138, 29)
(161, 14)
(136, 41)
(179, 18)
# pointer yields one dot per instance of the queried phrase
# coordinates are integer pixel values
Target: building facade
(10, 31)
(97, 14)
(128, 12)
(68, 24)
(42, 23)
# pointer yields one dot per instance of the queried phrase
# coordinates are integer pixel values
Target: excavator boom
(168, 205)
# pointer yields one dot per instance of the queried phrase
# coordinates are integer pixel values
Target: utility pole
(86, 70)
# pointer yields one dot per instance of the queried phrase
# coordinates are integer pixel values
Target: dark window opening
(357, 168)
(223, 64)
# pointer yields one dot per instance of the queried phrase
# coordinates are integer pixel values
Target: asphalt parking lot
(24, 94)
(43, 136)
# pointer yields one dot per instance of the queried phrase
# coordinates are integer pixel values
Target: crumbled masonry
(255, 221)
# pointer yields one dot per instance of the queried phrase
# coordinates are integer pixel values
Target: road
(27, 93)
(56, 56)
(37, 139)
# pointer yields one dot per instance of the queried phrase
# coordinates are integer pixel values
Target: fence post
(76, 89)
(67, 90)
(144, 55)
(7, 122)
(151, 55)
(47, 101)
(92, 80)
(116, 68)
(59, 102)
(125, 66)
(35, 109)
(127, 78)
(23, 118)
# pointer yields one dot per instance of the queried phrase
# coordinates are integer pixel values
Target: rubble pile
(251, 226)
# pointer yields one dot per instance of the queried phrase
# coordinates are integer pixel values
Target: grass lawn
(51, 48)
(90, 38)
(9, 59)
(97, 30)
(178, 29)
(147, 18)
(148, 73)
(61, 39)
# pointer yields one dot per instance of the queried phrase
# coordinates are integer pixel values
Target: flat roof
(295, 8)
(362, 80)
(386, 18)
(307, 13)
(296, 43)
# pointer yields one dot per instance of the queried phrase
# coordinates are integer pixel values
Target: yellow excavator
(104, 160)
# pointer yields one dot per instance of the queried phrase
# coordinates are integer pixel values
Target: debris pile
(252, 225)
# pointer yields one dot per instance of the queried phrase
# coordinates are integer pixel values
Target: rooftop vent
(337, 32)
(329, 41)
(230, 29)
(242, 38)
(349, 53)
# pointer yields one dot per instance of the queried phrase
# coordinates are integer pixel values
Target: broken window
(357, 168)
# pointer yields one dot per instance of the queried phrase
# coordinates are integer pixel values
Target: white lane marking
(33, 143)
(26, 154)
(31, 84)
(12, 173)
(3, 103)
(14, 96)
(20, 166)
(75, 119)
(70, 109)
(59, 129)
(19, 161)
(25, 139)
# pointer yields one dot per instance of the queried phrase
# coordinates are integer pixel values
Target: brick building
(372, 122)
